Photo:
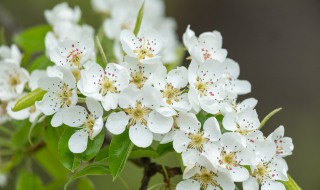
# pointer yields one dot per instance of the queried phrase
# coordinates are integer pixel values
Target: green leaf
(85, 184)
(41, 63)
(264, 121)
(119, 151)
(93, 169)
(139, 20)
(19, 139)
(291, 184)
(147, 152)
(102, 154)
(32, 39)
(93, 147)
(29, 99)
(67, 158)
(28, 180)
(163, 149)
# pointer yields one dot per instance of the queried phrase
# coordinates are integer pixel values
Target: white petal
(233, 141)
(78, 142)
(189, 184)
(94, 107)
(75, 116)
(190, 157)
(273, 185)
(158, 123)
(129, 96)
(140, 135)
(247, 103)
(166, 111)
(239, 174)
(178, 77)
(212, 129)
(188, 122)
(97, 127)
(232, 68)
(57, 118)
(225, 181)
(277, 134)
(34, 78)
(110, 101)
(229, 122)
(49, 104)
(180, 141)
(19, 115)
(117, 122)
(50, 83)
(265, 150)
(251, 184)
(151, 97)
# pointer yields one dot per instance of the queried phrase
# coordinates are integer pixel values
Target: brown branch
(152, 168)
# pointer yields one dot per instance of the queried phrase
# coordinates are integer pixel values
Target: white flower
(238, 107)
(103, 6)
(190, 140)
(229, 155)
(172, 86)
(62, 12)
(139, 115)
(73, 54)
(267, 175)
(89, 124)
(12, 81)
(204, 176)
(104, 85)
(205, 89)
(284, 145)
(3, 179)
(10, 55)
(244, 122)
(143, 49)
(34, 78)
(61, 93)
(207, 46)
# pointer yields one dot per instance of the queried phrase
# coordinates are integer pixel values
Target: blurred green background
(277, 45)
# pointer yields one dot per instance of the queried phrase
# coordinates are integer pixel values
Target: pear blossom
(172, 87)
(266, 174)
(61, 93)
(12, 81)
(229, 155)
(205, 90)
(284, 145)
(140, 115)
(62, 12)
(10, 55)
(208, 46)
(104, 85)
(88, 124)
(204, 176)
(190, 140)
(142, 49)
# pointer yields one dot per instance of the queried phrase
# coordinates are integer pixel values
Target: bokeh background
(277, 45)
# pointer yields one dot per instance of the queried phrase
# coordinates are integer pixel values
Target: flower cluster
(195, 108)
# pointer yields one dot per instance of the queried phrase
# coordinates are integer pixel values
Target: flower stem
(291, 184)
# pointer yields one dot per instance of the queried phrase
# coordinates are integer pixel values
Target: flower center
(138, 114)
(171, 94)
(201, 86)
(107, 85)
(14, 80)
(144, 51)
(229, 160)
(206, 54)
(89, 125)
(206, 178)
(138, 79)
(74, 57)
(261, 172)
(197, 141)
(66, 95)
(33, 109)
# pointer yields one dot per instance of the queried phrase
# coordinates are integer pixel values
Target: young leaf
(29, 99)
(93, 169)
(41, 63)
(119, 151)
(67, 158)
(102, 154)
(28, 180)
(291, 184)
(139, 20)
(264, 121)
(32, 39)
(163, 149)
(19, 139)
(147, 152)
(93, 147)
